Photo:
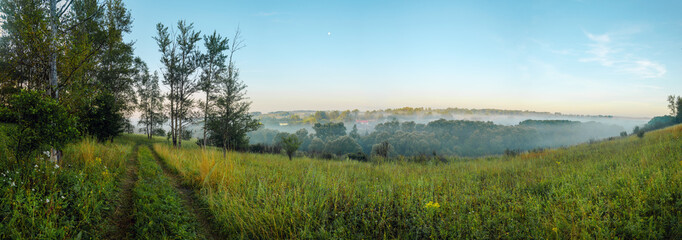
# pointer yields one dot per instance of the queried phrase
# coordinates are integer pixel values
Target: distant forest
(437, 138)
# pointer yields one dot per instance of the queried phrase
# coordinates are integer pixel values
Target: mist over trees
(446, 137)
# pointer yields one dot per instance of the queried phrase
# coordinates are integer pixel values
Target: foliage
(316, 145)
(105, 119)
(289, 143)
(342, 145)
(329, 131)
(181, 58)
(40, 123)
(158, 212)
(231, 121)
(213, 67)
(382, 149)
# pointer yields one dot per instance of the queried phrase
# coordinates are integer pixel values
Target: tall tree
(231, 121)
(213, 65)
(181, 58)
(672, 105)
(116, 73)
(151, 100)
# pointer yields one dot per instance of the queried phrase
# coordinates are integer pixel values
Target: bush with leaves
(40, 121)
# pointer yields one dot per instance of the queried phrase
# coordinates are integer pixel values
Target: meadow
(624, 188)
(67, 200)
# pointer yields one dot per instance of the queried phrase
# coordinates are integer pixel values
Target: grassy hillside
(625, 188)
(628, 188)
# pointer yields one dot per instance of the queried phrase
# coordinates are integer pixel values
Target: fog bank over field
(452, 131)
(366, 121)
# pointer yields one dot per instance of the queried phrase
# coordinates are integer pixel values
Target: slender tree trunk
(54, 91)
(173, 113)
(205, 118)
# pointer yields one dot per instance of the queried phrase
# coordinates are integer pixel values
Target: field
(628, 188)
(624, 188)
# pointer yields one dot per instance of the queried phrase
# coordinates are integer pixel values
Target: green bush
(40, 123)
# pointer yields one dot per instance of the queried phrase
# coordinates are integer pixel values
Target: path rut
(122, 218)
(199, 211)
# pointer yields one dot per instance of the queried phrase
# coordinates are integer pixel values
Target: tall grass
(626, 188)
(62, 200)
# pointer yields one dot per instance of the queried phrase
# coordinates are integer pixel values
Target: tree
(104, 120)
(672, 105)
(329, 130)
(679, 109)
(354, 133)
(151, 100)
(382, 149)
(231, 121)
(57, 46)
(116, 74)
(342, 145)
(316, 145)
(213, 65)
(290, 143)
(180, 58)
(41, 122)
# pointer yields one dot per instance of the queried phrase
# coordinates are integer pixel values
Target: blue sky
(582, 57)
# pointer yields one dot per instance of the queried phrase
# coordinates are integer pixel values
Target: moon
(329, 33)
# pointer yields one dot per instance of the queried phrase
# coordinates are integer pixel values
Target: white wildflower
(62, 197)
(36, 166)
(47, 200)
(33, 189)
(47, 153)
(13, 185)
(56, 166)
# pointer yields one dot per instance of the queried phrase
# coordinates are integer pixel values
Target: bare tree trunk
(205, 118)
(53, 90)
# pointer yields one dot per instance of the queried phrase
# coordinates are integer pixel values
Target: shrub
(382, 149)
(40, 123)
(359, 156)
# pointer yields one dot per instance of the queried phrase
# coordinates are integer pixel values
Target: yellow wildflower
(431, 204)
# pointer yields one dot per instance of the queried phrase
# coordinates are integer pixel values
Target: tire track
(122, 219)
(190, 198)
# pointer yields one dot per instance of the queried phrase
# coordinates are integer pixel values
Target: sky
(619, 58)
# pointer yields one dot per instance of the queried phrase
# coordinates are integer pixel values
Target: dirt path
(199, 211)
(122, 218)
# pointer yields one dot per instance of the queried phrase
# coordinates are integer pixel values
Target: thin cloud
(606, 52)
(599, 38)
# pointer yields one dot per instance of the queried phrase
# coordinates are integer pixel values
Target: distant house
(284, 124)
(363, 122)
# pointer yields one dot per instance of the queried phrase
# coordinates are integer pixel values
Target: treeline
(438, 138)
(312, 117)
